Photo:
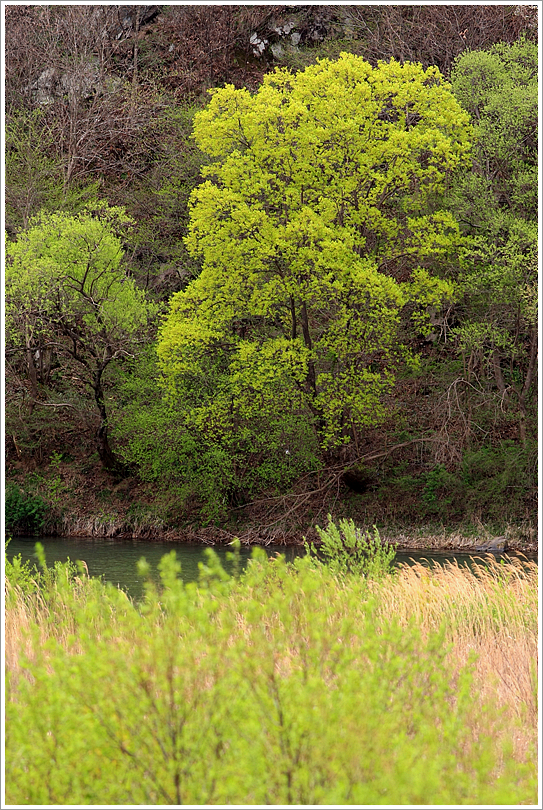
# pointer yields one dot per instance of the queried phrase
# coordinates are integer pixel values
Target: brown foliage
(203, 46)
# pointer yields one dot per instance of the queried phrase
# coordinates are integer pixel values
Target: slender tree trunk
(498, 376)
(32, 376)
(135, 66)
(293, 317)
(107, 456)
(311, 378)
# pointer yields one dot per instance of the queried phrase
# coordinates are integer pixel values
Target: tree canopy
(496, 203)
(364, 329)
(314, 224)
(68, 294)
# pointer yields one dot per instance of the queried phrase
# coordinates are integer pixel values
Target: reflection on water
(116, 560)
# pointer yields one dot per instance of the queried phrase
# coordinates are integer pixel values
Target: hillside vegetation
(313, 290)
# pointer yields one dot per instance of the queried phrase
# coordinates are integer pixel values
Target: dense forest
(311, 290)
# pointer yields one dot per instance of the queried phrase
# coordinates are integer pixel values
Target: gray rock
(258, 44)
(496, 545)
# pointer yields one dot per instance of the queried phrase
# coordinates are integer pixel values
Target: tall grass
(489, 615)
(288, 685)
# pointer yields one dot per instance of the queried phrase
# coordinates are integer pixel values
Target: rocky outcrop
(82, 81)
(129, 20)
(297, 27)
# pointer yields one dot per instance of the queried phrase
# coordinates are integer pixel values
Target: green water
(116, 560)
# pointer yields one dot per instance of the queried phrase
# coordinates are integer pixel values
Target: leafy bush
(204, 470)
(350, 550)
(24, 513)
(19, 573)
(278, 688)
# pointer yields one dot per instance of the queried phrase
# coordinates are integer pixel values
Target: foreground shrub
(287, 686)
(19, 573)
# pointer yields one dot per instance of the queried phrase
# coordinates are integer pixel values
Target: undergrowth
(289, 684)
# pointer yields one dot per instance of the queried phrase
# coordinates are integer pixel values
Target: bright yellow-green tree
(69, 298)
(315, 225)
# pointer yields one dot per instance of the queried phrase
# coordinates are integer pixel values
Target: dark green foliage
(188, 464)
(24, 512)
(157, 199)
(498, 479)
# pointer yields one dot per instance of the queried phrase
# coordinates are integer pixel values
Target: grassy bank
(73, 497)
(294, 684)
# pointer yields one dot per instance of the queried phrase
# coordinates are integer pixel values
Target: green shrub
(282, 687)
(18, 573)
(350, 550)
(24, 513)
(500, 477)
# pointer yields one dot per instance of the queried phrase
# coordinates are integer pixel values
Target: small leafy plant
(347, 549)
(19, 573)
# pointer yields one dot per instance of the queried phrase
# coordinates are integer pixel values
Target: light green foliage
(499, 89)
(278, 688)
(346, 549)
(18, 574)
(69, 296)
(316, 180)
(497, 205)
(64, 274)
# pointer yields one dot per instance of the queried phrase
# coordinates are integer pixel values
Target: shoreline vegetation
(518, 539)
(65, 502)
(310, 682)
(407, 539)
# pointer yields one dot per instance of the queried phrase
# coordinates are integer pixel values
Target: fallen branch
(336, 473)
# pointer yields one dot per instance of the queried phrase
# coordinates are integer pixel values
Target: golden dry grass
(489, 613)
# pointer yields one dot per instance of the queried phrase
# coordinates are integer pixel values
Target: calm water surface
(116, 560)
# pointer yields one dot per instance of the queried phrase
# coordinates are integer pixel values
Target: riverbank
(516, 539)
(90, 503)
(80, 501)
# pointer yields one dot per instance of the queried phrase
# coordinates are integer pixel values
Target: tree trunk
(135, 66)
(293, 318)
(311, 378)
(32, 376)
(498, 376)
(526, 388)
(107, 456)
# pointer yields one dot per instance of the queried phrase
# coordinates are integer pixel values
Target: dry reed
(488, 613)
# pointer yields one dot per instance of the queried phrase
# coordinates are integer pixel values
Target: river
(116, 560)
